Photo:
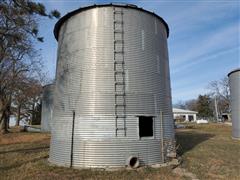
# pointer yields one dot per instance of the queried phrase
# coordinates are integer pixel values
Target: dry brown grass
(16, 137)
(24, 155)
(208, 152)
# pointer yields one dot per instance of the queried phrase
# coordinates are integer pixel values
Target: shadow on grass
(188, 140)
(13, 166)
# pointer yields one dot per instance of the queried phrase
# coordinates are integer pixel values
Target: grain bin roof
(233, 71)
(72, 13)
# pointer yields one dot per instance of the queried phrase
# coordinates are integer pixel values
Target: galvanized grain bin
(234, 81)
(47, 107)
(112, 100)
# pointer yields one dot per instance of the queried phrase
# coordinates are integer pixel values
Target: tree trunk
(32, 114)
(3, 123)
(8, 122)
(8, 113)
(18, 115)
(4, 115)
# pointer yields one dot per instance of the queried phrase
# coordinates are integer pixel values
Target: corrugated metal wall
(85, 85)
(47, 107)
(234, 81)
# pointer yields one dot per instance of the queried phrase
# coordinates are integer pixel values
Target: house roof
(179, 111)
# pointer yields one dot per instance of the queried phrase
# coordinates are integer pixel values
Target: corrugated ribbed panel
(85, 85)
(115, 153)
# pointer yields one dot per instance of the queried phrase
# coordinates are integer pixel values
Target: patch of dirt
(215, 176)
(183, 130)
(216, 162)
(184, 173)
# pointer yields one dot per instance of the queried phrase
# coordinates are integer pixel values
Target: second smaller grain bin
(234, 82)
(47, 107)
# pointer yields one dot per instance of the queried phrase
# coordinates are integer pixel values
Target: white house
(187, 115)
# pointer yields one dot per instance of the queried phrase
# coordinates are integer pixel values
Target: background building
(185, 115)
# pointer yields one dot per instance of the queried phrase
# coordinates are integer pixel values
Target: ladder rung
(120, 104)
(120, 116)
(118, 12)
(121, 129)
(118, 31)
(120, 94)
(119, 83)
(119, 62)
(118, 41)
(118, 22)
(119, 52)
(119, 72)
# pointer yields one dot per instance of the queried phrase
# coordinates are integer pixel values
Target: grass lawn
(207, 151)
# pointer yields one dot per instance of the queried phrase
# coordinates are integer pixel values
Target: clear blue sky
(204, 41)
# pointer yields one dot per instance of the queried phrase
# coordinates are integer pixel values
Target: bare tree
(191, 104)
(219, 91)
(26, 100)
(180, 105)
(18, 57)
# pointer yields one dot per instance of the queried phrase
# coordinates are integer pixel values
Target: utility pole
(216, 109)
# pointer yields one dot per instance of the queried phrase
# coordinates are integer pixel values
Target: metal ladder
(119, 72)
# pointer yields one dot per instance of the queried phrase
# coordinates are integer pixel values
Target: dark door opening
(145, 126)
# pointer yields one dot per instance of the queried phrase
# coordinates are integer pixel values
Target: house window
(145, 126)
(190, 117)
